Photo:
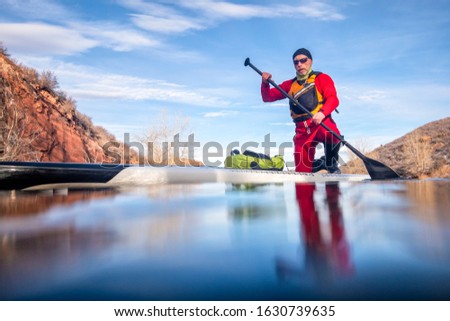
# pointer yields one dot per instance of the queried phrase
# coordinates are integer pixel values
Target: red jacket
(324, 85)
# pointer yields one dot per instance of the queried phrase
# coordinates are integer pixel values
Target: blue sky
(125, 60)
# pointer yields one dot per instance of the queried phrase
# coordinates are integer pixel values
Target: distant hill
(422, 153)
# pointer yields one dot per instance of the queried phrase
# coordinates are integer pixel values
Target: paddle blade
(378, 170)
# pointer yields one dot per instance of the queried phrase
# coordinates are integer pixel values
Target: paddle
(376, 169)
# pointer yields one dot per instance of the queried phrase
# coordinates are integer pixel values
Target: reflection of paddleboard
(33, 175)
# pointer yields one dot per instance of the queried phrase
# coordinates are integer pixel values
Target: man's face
(302, 64)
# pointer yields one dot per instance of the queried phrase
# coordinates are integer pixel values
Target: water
(346, 241)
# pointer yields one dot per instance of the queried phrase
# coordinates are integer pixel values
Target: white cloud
(170, 24)
(289, 124)
(115, 36)
(72, 35)
(114, 86)
(228, 10)
(319, 10)
(36, 9)
(160, 18)
(76, 37)
(181, 16)
(44, 38)
(224, 113)
(372, 96)
(81, 81)
(362, 94)
(85, 82)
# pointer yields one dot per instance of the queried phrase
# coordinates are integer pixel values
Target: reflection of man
(322, 257)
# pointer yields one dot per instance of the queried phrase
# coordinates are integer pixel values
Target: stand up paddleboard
(38, 176)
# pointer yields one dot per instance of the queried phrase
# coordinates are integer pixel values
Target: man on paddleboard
(315, 91)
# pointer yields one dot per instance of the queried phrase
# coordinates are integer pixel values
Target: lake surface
(368, 240)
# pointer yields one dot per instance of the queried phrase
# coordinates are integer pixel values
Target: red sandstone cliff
(39, 123)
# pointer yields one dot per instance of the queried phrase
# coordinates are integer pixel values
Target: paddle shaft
(353, 149)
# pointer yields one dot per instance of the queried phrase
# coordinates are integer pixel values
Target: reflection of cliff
(31, 262)
(430, 203)
(29, 243)
(47, 241)
(431, 198)
(14, 203)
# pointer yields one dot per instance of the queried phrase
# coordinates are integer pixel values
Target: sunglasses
(303, 60)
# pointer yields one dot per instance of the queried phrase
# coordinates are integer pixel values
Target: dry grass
(442, 171)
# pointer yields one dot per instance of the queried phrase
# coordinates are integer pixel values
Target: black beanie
(302, 51)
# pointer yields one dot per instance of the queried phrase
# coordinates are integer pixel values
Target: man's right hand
(266, 77)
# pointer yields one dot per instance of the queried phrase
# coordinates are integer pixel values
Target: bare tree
(159, 138)
(419, 150)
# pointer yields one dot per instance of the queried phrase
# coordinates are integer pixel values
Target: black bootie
(318, 164)
(332, 158)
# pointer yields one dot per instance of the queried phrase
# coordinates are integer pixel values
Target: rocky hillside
(40, 123)
(422, 153)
